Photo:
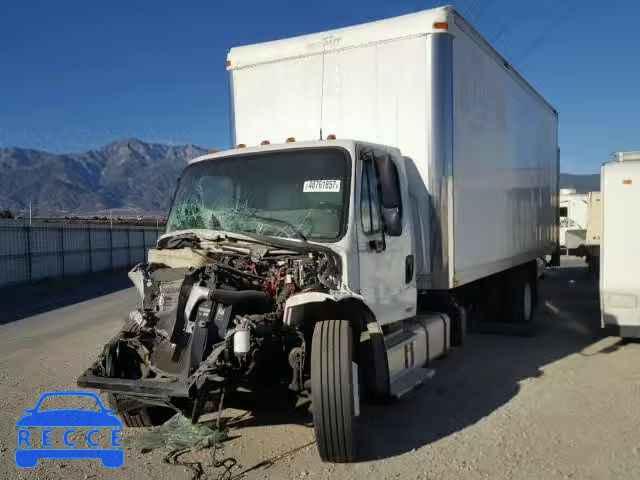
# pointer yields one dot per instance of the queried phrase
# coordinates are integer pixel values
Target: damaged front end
(211, 320)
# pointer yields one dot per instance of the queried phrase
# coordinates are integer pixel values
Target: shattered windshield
(292, 194)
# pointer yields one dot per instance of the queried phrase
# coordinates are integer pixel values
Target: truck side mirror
(390, 195)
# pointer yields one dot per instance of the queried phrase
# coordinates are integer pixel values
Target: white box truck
(619, 253)
(388, 179)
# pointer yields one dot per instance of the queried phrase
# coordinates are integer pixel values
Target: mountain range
(581, 183)
(130, 175)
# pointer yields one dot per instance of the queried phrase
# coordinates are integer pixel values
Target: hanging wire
(555, 21)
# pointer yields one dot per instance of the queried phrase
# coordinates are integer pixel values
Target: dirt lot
(563, 404)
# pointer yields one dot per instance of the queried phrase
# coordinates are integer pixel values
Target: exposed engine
(212, 318)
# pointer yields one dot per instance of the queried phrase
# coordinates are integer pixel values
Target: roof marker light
(331, 137)
(241, 145)
(265, 142)
(228, 64)
(291, 139)
(214, 151)
(441, 25)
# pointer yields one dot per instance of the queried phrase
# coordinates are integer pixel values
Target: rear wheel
(333, 390)
(520, 297)
(134, 413)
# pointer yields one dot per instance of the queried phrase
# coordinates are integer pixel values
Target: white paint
(382, 273)
(313, 45)
(504, 165)
(372, 85)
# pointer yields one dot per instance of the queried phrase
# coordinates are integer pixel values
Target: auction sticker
(321, 186)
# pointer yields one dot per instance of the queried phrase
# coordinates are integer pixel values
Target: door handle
(408, 269)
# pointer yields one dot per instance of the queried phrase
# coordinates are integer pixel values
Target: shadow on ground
(485, 374)
(473, 381)
(23, 301)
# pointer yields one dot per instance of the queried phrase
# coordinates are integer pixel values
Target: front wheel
(334, 390)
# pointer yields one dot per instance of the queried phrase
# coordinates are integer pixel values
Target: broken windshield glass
(292, 194)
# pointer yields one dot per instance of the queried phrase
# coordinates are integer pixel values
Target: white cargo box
(594, 219)
(619, 247)
(484, 142)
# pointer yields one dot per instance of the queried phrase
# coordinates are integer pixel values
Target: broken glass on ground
(177, 433)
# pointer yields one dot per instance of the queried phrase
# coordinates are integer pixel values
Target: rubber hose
(243, 301)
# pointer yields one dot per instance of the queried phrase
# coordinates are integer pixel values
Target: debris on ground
(176, 433)
(180, 436)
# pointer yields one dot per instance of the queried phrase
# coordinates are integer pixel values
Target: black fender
(304, 310)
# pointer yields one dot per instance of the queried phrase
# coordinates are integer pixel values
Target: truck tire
(134, 413)
(520, 297)
(332, 391)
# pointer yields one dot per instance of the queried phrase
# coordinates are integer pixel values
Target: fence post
(144, 244)
(27, 231)
(61, 228)
(128, 247)
(111, 248)
(138, 260)
(90, 250)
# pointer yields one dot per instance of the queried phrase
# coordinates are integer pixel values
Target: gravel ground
(563, 404)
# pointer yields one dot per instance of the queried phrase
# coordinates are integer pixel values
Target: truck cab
(351, 197)
(291, 263)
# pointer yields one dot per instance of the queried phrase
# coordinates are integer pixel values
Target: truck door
(387, 270)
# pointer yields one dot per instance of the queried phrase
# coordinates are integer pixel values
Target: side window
(370, 199)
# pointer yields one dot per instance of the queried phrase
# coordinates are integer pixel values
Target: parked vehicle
(417, 182)
(591, 247)
(574, 211)
(580, 220)
(619, 257)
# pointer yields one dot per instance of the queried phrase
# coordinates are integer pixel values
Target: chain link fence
(48, 250)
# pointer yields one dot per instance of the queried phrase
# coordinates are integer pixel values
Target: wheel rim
(527, 302)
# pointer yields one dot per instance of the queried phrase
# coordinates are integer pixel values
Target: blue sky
(75, 75)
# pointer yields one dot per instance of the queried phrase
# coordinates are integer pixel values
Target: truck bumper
(141, 387)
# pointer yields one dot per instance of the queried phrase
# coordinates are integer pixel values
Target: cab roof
(347, 144)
